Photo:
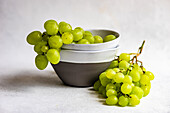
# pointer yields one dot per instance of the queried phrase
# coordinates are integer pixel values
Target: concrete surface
(24, 89)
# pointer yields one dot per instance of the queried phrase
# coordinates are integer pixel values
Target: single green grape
(105, 81)
(111, 92)
(124, 64)
(114, 64)
(51, 27)
(135, 75)
(123, 101)
(87, 32)
(150, 75)
(53, 56)
(146, 90)
(101, 88)
(80, 29)
(89, 37)
(41, 62)
(110, 86)
(96, 85)
(110, 73)
(77, 34)
(102, 75)
(118, 77)
(134, 100)
(64, 27)
(34, 37)
(137, 91)
(126, 88)
(112, 100)
(127, 79)
(144, 79)
(67, 38)
(98, 39)
(138, 68)
(116, 70)
(44, 49)
(124, 56)
(55, 42)
(38, 46)
(109, 38)
(83, 41)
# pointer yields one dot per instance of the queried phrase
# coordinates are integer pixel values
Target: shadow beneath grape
(23, 80)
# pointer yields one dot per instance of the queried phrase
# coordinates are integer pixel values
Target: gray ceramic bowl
(92, 47)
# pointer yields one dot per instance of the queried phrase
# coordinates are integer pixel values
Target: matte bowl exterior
(100, 46)
(79, 74)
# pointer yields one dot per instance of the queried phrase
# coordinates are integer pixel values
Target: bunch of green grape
(124, 82)
(48, 44)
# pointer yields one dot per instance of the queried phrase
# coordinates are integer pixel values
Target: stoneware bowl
(81, 68)
(91, 47)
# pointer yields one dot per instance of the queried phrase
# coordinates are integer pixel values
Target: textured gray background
(23, 88)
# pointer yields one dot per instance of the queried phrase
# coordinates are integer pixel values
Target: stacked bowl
(81, 64)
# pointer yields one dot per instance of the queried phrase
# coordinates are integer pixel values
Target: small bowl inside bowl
(100, 46)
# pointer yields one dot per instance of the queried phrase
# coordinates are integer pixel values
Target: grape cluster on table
(48, 44)
(124, 83)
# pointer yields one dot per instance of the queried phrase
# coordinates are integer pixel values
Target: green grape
(101, 88)
(96, 86)
(123, 101)
(110, 86)
(127, 79)
(112, 100)
(80, 29)
(105, 81)
(77, 34)
(44, 49)
(144, 79)
(83, 41)
(90, 38)
(111, 92)
(132, 84)
(45, 36)
(124, 56)
(104, 93)
(98, 39)
(110, 73)
(134, 100)
(118, 77)
(135, 75)
(114, 64)
(150, 75)
(102, 75)
(51, 27)
(34, 37)
(146, 90)
(137, 91)
(38, 46)
(55, 42)
(123, 64)
(138, 68)
(87, 32)
(53, 56)
(64, 27)
(116, 70)
(67, 38)
(109, 38)
(41, 62)
(126, 88)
